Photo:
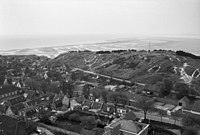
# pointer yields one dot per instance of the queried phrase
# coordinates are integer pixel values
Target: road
(109, 77)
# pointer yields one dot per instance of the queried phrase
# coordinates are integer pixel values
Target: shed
(184, 102)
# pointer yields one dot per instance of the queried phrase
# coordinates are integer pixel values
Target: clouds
(66, 17)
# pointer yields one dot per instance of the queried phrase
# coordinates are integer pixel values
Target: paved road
(109, 77)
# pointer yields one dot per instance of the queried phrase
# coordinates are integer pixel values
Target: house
(57, 101)
(9, 112)
(122, 110)
(79, 99)
(87, 103)
(96, 106)
(9, 91)
(45, 105)
(122, 101)
(108, 108)
(111, 87)
(184, 102)
(18, 109)
(130, 116)
(45, 75)
(30, 112)
(126, 127)
(17, 100)
(78, 90)
(3, 108)
(73, 104)
(65, 101)
(34, 102)
(57, 104)
(30, 95)
(18, 82)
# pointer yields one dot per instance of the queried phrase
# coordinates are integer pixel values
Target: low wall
(56, 129)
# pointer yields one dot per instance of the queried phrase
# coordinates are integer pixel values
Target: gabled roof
(87, 103)
(79, 99)
(45, 99)
(19, 106)
(130, 126)
(105, 106)
(96, 105)
(58, 97)
(130, 116)
(56, 83)
(127, 126)
(31, 112)
(8, 89)
(184, 99)
(30, 94)
(35, 101)
(17, 100)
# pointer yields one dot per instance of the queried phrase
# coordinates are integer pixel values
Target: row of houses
(27, 104)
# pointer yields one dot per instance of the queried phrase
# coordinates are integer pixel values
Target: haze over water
(52, 46)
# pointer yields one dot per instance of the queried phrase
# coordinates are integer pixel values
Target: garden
(80, 122)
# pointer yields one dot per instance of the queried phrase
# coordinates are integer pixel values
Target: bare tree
(145, 104)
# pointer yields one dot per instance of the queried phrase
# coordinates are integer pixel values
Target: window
(108, 109)
(118, 110)
(123, 111)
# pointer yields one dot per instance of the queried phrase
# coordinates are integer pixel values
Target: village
(48, 96)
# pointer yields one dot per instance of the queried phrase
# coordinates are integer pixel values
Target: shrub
(74, 117)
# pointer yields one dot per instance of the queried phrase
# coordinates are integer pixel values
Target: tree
(162, 113)
(191, 120)
(145, 104)
(30, 128)
(168, 85)
(196, 106)
(32, 84)
(96, 93)
(86, 91)
(104, 94)
(182, 89)
(64, 87)
(68, 89)
(190, 131)
(114, 97)
(44, 86)
(88, 122)
(162, 88)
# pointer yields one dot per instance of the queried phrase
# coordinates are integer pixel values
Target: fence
(56, 129)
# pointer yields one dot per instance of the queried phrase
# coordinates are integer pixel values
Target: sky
(99, 17)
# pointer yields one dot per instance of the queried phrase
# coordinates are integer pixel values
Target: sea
(53, 45)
